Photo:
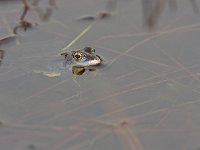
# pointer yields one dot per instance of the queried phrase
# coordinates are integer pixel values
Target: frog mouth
(96, 61)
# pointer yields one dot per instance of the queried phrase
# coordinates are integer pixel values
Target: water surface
(145, 97)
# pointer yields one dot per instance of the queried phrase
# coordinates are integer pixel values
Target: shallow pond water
(145, 96)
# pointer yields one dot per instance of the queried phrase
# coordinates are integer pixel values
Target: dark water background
(144, 97)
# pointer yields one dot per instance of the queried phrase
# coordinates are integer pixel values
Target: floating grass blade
(79, 36)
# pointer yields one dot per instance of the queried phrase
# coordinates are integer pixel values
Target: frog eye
(78, 55)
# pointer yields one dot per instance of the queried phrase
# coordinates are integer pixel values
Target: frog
(81, 60)
(77, 61)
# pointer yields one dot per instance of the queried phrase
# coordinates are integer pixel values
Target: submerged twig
(4, 40)
(152, 9)
(26, 8)
(111, 5)
(44, 15)
(101, 15)
(87, 18)
(23, 23)
(194, 6)
(7, 39)
(2, 52)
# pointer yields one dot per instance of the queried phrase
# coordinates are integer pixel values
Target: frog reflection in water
(80, 60)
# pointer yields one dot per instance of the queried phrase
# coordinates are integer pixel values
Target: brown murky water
(145, 96)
